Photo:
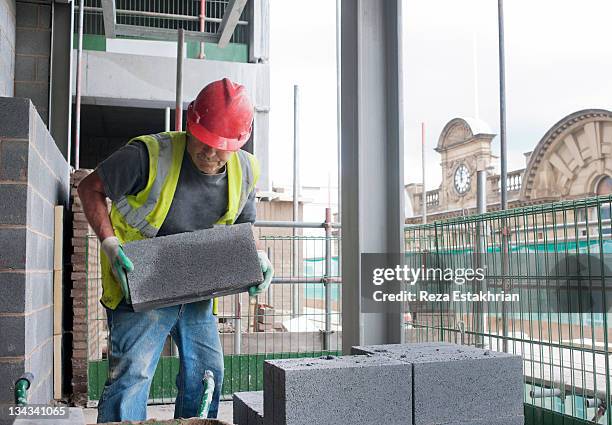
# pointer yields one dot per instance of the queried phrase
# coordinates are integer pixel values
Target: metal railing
(253, 329)
(556, 260)
(166, 14)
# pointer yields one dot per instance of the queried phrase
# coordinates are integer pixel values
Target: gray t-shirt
(199, 201)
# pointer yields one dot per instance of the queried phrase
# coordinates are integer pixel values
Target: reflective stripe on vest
(137, 217)
(141, 216)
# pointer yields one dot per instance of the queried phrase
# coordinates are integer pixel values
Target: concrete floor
(164, 411)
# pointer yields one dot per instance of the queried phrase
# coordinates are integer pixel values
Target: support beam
(259, 31)
(163, 34)
(110, 17)
(372, 158)
(60, 79)
(233, 10)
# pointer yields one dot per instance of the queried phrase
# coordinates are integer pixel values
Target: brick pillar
(88, 333)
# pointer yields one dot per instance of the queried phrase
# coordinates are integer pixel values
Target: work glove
(268, 272)
(120, 263)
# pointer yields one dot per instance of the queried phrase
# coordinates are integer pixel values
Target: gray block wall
(32, 54)
(7, 47)
(34, 177)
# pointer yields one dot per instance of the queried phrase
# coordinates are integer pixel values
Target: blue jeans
(136, 341)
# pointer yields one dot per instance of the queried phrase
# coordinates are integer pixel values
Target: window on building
(604, 186)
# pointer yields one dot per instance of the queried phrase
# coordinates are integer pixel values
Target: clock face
(462, 179)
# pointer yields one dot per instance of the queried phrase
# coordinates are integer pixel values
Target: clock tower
(465, 147)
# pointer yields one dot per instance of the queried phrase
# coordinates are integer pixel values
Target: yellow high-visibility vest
(140, 216)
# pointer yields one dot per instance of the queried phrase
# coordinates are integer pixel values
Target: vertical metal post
(328, 275)
(237, 324)
(270, 294)
(424, 200)
(481, 199)
(372, 159)
(173, 347)
(296, 185)
(480, 250)
(502, 108)
(338, 102)
(77, 109)
(178, 119)
(202, 55)
(504, 172)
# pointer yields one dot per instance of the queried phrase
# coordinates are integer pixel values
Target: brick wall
(33, 179)
(32, 54)
(89, 322)
(7, 47)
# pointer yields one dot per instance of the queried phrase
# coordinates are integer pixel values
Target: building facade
(572, 160)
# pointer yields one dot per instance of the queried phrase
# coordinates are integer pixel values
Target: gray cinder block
(13, 203)
(337, 391)
(13, 248)
(457, 383)
(32, 42)
(194, 266)
(14, 160)
(14, 117)
(248, 408)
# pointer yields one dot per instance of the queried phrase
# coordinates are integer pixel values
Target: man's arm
(93, 197)
(125, 172)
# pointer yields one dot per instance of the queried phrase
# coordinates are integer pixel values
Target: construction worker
(163, 184)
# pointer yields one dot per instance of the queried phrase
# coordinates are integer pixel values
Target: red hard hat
(221, 115)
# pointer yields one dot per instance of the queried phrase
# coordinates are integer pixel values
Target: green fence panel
(243, 372)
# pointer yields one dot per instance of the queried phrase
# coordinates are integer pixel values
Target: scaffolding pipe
(327, 284)
(424, 198)
(503, 162)
(338, 103)
(178, 119)
(296, 175)
(481, 202)
(502, 108)
(77, 108)
(237, 324)
(296, 224)
(546, 392)
(202, 26)
(270, 299)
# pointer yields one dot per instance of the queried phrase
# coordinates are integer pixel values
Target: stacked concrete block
(248, 408)
(32, 54)
(33, 180)
(337, 391)
(192, 266)
(456, 384)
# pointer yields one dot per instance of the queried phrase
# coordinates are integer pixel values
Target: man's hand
(268, 272)
(120, 263)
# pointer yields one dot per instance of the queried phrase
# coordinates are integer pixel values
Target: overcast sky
(558, 60)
